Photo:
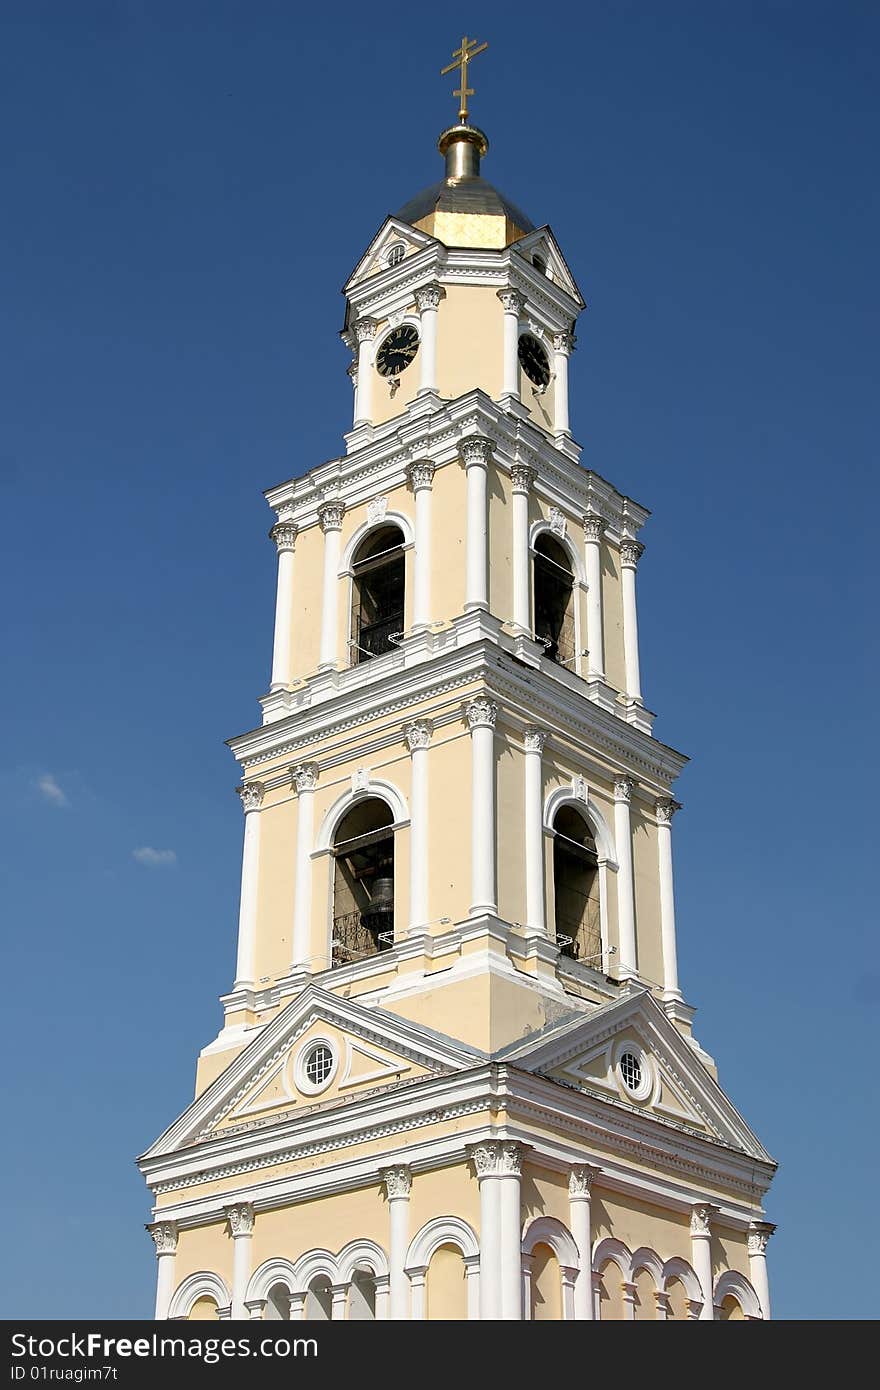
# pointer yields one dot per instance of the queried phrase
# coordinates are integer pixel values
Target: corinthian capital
(241, 1219)
(522, 475)
(759, 1234)
(665, 808)
(630, 553)
(581, 1179)
(623, 789)
(475, 449)
(701, 1218)
(304, 777)
(429, 296)
(251, 794)
(594, 527)
(284, 534)
(481, 714)
(512, 301)
(164, 1235)
(421, 474)
(495, 1158)
(418, 734)
(535, 740)
(365, 329)
(397, 1180)
(563, 342)
(330, 514)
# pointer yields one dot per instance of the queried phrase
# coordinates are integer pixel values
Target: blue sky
(186, 186)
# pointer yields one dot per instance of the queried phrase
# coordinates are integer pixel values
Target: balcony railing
(354, 937)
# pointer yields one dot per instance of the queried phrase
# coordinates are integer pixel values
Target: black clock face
(534, 360)
(397, 350)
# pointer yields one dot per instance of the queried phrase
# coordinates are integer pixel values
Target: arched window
(363, 885)
(545, 1285)
(377, 593)
(554, 599)
(203, 1310)
(576, 887)
(362, 1296)
(278, 1304)
(730, 1310)
(319, 1300)
(447, 1294)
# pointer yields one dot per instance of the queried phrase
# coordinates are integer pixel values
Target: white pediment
(266, 1081)
(391, 234)
(544, 244)
(590, 1051)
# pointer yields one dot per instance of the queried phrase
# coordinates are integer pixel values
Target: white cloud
(48, 788)
(154, 858)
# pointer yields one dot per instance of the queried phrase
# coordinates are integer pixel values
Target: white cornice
(473, 648)
(433, 429)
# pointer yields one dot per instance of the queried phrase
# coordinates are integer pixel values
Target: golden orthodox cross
(460, 59)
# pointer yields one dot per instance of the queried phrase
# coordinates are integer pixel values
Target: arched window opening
(363, 889)
(278, 1304)
(576, 888)
(610, 1293)
(377, 594)
(677, 1301)
(645, 1309)
(319, 1300)
(731, 1310)
(554, 600)
(546, 1285)
(203, 1310)
(362, 1296)
(447, 1291)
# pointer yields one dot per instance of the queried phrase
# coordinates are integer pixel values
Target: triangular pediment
(629, 1053)
(319, 1050)
(392, 233)
(544, 244)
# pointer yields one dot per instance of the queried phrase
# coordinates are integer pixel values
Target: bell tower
(457, 1076)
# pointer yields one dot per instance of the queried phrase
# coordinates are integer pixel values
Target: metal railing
(374, 639)
(354, 938)
(582, 939)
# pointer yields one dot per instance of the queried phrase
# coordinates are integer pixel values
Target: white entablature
(376, 289)
(434, 430)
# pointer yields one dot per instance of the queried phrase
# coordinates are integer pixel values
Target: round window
(630, 1071)
(396, 254)
(534, 360)
(315, 1067)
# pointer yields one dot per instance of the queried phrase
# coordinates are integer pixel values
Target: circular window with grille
(315, 1066)
(635, 1075)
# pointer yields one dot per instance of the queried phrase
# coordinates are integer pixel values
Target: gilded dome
(463, 209)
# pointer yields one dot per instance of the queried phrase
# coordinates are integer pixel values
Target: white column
(626, 922)
(304, 779)
(593, 529)
(563, 346)
(421, 477)
(241, 1227)
(579, 1184)
(665, 809)
(701, 1255)
(630, 552)
(418, 738)
(481, 715)
(534, 830)
(364, 332)
(428, 302)
(284, 535)
(485, 1160)
(164, 1234)
(476, 453)
(330, 515)
(759, 1234)
(522, 477)
(509, 1176)
(251, 799)
(513, 304)
(398, 1185)
(353, 377)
